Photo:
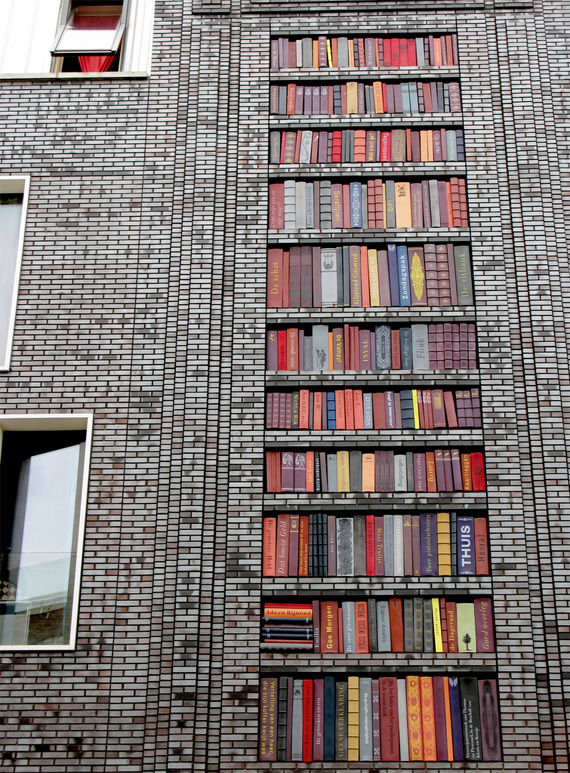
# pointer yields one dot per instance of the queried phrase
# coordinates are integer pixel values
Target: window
(107, 35)
(43, 489)
(91, 36)
(13, 205)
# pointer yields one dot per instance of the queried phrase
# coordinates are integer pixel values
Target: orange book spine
(361, 624)
(428, 718)
(448, 728)
(304, 546)
(413, 705)
(365, 280)
(466, 472)
(310, 471)
(269, 546)
(349, 408)
(288, 610)
(316, 54)
(358, 409)
(331, 352)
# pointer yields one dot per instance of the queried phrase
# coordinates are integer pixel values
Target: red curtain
(99, 22)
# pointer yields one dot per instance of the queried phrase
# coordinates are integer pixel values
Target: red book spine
(378, 546)
(481, 546)
(477, 471)
(307, 720)
(370, 547)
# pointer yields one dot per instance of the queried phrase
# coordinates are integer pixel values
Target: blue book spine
(355, 205)
(393, 271)
(328, 749)
(456, 731)
(368, 413)
(331, 411)
(405, 97)
(403, 275)
(465, 545)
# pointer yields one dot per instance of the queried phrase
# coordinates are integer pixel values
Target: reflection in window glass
(10, 223)
(40, 503)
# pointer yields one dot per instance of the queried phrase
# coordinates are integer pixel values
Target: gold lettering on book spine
(417, 275)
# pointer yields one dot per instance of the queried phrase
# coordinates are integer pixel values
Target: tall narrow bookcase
(302, 579)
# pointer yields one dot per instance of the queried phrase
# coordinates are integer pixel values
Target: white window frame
(54, 422)
(18, 185)
(58, 49)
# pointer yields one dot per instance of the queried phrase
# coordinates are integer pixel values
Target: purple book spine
(272, 350)
(376, 720)
(426, 204)
(308, 101)
(465, 545)
(300, 471)
(456, 731)
(269, 411)
(274, 100)
(316, 627)
(287, 471)
(318, 720)
(274, 54)
(439, 710)
(324, 100)
(428, 545)
(489, 711)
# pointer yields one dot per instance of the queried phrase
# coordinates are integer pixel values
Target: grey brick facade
(142, 299)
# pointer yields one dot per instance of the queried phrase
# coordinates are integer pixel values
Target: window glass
(40, 483)
(10, 224)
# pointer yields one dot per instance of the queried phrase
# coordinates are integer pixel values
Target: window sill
(55, 76)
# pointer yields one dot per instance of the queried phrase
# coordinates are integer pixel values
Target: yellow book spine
(353, 718)
(374, 278)
(329, 53)
(352, 98)
(378, 97)
(444, 544)
(416, 409)
(343, 471)
(437, 625)
(430, 145)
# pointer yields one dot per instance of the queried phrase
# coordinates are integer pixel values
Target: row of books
(354, 409)
(365, 277)
(366, 146)
(379, 625)
(390, 545)
(365, 52)
(438, 346)
(358, 98)
(374, 471)
(373, 719)
(322, 205)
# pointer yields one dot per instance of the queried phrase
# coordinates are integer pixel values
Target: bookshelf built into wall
(374, 450)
